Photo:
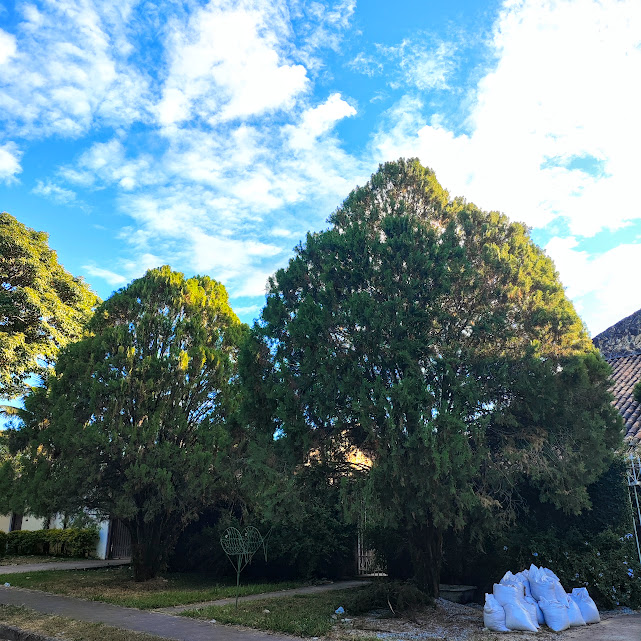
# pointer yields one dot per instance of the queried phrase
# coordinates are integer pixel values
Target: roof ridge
(612, 357)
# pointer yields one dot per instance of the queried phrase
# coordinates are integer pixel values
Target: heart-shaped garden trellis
(240, 548)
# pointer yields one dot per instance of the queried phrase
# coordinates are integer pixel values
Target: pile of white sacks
(526, 600)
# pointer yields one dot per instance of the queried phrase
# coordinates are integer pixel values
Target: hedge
(67, 542)
(3, 543)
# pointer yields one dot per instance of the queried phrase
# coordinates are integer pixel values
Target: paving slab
(625, 627)
(88, 564)
(309, 589)
(158, 623)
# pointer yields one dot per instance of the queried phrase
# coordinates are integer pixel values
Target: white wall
(32, 523)
(5, 522)
(103, 534)
(28, 522)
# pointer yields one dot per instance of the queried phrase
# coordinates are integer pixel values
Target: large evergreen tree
(42, 306)
(135, 423)
(438, 338)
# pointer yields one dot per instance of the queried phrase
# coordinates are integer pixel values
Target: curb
(11, 633)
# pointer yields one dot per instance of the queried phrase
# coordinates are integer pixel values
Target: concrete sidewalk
(309, 589)
(162, 625)
(89, 564)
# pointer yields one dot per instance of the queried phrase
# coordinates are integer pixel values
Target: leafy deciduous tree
(42, 306)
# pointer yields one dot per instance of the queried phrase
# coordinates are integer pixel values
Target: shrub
(3, 543)
(595, 550)
(399, 596)
(67, 542)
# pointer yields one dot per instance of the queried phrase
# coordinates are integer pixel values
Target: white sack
(494, 615)
(560, 593)
(550, 573)
(506, 594)
(517, 618)
(574, 613)
(540, 619)
(543, 587)
(556, 615)
(530, 606)
(523, 577)
(587, 606)
(508, 577)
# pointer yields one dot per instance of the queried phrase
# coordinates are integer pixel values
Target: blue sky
(213, 135)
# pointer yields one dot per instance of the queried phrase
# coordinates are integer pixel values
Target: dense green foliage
(3, 543)
(67, 542)
(302, 515)
(42, 306)
(595, 549)
(437, 338)
(136, 423)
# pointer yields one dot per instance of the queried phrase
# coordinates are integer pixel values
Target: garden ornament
(240, 548)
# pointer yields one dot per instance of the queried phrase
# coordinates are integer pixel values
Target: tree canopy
(42, 306)
(135, 423)
(437, 338)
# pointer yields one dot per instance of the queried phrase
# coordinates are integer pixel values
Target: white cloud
(229, 62)
(247, 310)
(425, 65)
(106, 163)
(54, 192)
(7, 46)
(66, 68)
(599, 284)
(9, 162)
(366, 64)
(253, 284)
(117, 280)
(564, 87)
(317, 121)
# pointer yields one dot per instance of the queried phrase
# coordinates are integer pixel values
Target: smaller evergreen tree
(137, 421)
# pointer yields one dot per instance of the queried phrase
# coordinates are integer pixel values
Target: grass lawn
(305, 615)
(70, 629)
(116, 585)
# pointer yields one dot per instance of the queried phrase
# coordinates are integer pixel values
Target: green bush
(606, 564)
(596, 549)
(399, 596)
(307, 533)
(3, 543)
(67, 542)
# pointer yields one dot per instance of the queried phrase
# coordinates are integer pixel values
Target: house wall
(5, 521)
(28, 522)
(32, 523)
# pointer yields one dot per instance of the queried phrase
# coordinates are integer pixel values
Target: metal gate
(634, 489)
(366, 559)
(366, 562)
(119, 540)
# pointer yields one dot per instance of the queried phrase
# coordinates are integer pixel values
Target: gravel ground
(446, 621)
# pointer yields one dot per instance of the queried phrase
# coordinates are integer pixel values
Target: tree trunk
(148, 549)
(426, 549)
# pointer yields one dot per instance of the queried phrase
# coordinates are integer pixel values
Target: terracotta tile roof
(622, 339)
(626, 373)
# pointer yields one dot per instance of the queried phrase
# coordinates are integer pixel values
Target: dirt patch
(445, 621)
